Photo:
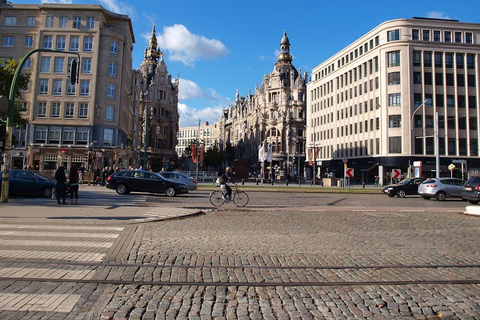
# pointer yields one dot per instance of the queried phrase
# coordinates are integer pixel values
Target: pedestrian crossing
(47, 244)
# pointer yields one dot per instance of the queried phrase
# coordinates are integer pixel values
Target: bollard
(243, 182)
(272, 181)
(363, 185)
(257, 181)
(286, 182)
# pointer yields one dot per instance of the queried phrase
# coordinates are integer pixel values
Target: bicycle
(239, 198)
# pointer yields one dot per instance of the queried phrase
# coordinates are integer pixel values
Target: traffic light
(73, 72)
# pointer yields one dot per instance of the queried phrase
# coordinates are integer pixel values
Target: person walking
(225, 178)
(60, 186)
(81, 172)
(74, 184)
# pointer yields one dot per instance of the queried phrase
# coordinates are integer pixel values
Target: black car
(127, 181)
(407, 186)
(30, 182)
(471, 190)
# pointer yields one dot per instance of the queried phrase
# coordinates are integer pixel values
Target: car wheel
(121, 189)
(426, 198)
(170, 192)
(473, 201)
(440, 196)
(47, 192)
(401, 193)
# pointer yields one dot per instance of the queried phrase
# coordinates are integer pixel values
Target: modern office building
(206, 134)
(66, 121)
(373, 105)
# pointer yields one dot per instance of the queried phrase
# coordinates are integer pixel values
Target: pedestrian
(96, 176)
(376, 181)
(73, 184)
(225, 179)
(81, 172)
(60, 185)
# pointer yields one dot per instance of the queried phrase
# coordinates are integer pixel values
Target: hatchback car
(127, 181)
(471, 190)
(441, 188)
(30, 182)
(407, 186)
(180, 177)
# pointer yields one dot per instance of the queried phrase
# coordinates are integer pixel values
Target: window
(87, 65)
(55, 109)
(395, 99)
(111, 91)
(393, 78)
(68, 135)
(458, 37)
(88, 44)
(393, 35)
(417, 78)
(112, 69)
(43, 86)
(8, 41)
(468, 37)
(85, 87)
(418, 121)
(416, 58)
(69, 110)
(28, 63)
(393, 58)
(438, 59)
(395, 121)
(449, 60)
(417, 99)
(426, 35)
(62, 22)
(40, 134)
(461, 80)
(460, 60)
(82, 135)
(54, 133)
(472, 102)
(30, 21)
(447, 36)
(436, 36)
(107, 137)
(70, 89)
(42, 110)
(428, 100)
(90, 23)
(427, 78)
(439, 79)
(450, 101)
(45, 68)
(29, 41)
(77, 22)
(83, 110)
(58, 67)
(395, 144)
(415, 34)
(470, 61)
(49, 22)
(57, 87)
(471, 81)
(450, 79)
(439, 100)
(461, 101)
(114, 47)
(110, 113)
(74, 43)
(61, 43)
(427, 59)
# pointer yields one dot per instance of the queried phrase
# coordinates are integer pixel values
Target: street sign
(349, 172)
(396, 173)
(345, 160)
(451, 167)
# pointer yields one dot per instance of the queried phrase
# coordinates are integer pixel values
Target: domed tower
(285, 56)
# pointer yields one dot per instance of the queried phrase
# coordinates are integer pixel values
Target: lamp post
(413, 131)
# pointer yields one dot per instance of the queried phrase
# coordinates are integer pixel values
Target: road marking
(51, 227)
(52, 255)
(412, 210)
(59, 234)
(46, 273)
(366, 210)
(53, 243)
(385, 214)
(38, 302)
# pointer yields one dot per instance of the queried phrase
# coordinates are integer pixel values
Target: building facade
(155, 109)
(67, 121)
(206, 134)
(274, 114)
(373, 105)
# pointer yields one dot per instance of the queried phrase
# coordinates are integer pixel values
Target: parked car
(471, 190)
(441, 188)
(407, 186)
(127, 181)
(180, 177)
(30, 182)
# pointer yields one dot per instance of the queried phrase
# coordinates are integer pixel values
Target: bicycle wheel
(216, 198)
(240, 199)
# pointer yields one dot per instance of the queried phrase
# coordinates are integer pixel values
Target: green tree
(6, 78)
(212, 158)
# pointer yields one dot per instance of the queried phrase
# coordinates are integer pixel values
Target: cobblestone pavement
(332, 257)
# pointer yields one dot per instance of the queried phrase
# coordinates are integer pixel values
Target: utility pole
(197, 149)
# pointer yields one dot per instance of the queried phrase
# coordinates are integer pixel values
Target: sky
(219, 46)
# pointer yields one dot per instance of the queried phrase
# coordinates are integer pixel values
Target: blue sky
(218, 46)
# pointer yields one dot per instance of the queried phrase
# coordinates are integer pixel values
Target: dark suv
(471, 190)
(127, 181)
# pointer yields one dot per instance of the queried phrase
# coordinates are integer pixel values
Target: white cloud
(119, 7)
(187, 47)
(190, 90)
(189, 116)
(437, 15)
(57, 1)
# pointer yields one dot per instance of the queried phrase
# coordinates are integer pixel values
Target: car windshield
(40, 176)
(429, 181)
(405, 181)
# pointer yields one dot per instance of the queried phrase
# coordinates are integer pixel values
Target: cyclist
(227, 177)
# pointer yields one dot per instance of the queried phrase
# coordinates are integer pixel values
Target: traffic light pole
(9, 127)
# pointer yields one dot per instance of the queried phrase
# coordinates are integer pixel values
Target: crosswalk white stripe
(59, 234)
(45, 273)
(57, 227)
(53, 243)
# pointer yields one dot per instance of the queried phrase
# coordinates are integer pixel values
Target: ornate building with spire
(155, 106)
(274, 113)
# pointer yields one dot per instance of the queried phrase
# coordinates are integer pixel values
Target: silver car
(180, 177)
(441, 188)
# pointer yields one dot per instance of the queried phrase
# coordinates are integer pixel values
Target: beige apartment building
(67, 121)
(206, 134)
(373, 105)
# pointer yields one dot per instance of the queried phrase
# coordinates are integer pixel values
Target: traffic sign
(349, 172)
(451, 167)
(345, 160)
(396, 173)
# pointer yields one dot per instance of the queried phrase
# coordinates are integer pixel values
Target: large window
(112, 69)
(70, 88)
(57, 87)
(49, 22)
(393, 78)
(61, 43)
(77, 22)
(108, 137)
(59, 63)
(30, 21)
(68, 135)
(395, 121)
(426, 35)
(83, 110)
(110, 113)
(447, 36)
(393, 58)
(395, 145)
(8, 41)
(47, 42)
(417, 61)
(69, 110)
(395, 99)
(54, 134)
(90, 23)
(111, 91)
(82, 136)
(43, 86)
(74, 43)
(45, 68)
(114, 47)
(427, 59)
(40, 134)
(449, 60)
(438, 59)
(85, 87)
(88, 44)
(62, 22)
(87, 65)
(42, 110)
(393, 35)
(10, 21)
(29, 41)
(55, 109)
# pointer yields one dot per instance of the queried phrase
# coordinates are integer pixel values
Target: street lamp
(413, 131)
